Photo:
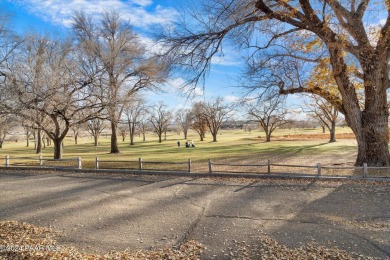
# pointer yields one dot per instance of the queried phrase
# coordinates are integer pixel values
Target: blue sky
(54, 16)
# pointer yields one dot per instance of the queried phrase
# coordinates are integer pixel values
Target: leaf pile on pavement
(268, 248)
(26, 241)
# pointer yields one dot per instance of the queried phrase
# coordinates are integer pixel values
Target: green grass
(233, 144)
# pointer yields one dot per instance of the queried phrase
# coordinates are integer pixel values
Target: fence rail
(267, 168)
(31, 162)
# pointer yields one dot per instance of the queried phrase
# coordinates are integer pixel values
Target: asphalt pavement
(98, 213)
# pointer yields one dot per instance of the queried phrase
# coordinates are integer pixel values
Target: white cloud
(176, 84)
(230, 58)
(141, 2)
(60, 12)
(231, 99)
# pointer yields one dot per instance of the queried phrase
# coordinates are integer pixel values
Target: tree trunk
(332, 131)
(267, 137)
(114, 139)
(143, 137)
(160, 138)
(185, 134)
(214, 136)
(28, 141)
(39, 141)
(57, 148)
(35, 139)
(131, 133)
(1, 144)
(373, 147)
(75, 139)
(95, 138)
(323, 129)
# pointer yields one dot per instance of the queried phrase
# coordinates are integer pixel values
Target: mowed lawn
(232, 146)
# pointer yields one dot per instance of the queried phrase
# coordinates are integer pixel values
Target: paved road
(100, 213)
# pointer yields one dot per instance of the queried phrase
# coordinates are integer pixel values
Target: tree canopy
(286, 41)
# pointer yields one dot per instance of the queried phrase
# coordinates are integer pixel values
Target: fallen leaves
(268, 248)
(26, 241)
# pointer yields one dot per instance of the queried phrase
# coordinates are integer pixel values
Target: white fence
(267, 168)
(68, 163)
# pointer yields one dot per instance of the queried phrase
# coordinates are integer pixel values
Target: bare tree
(28, 133)
(143, 127)
(76, 130)
(215, 113)
(134, 109)
(269, 113)
(7, 123)
(122, 129)
(160, 118)
(184, 118)
(9, 47)
(121, 55)
(286, 41)
(47, 81)
(199, 123)
(325, 113)
(95, 127)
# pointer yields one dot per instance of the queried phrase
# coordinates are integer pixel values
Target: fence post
(7, 161)
(140, 164)
(365, 170)
(40, 161)
(97, 163)
(269, 166)
(79, 163)
(189, 165)
(210, 169)
(318, 169)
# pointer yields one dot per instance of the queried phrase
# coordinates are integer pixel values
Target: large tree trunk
(370, 126)
(160, 137)
(114, 139)
(57, 148)
(214, 136)
(373, 147)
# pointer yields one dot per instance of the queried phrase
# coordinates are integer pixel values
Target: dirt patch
(298, 137)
